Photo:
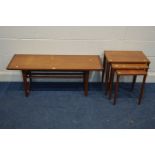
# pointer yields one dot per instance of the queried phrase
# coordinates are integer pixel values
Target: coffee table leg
(30, 80)
(26, 83)
(85, 79)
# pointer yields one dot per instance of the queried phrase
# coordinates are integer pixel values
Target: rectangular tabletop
(126, 57)
(55, 62)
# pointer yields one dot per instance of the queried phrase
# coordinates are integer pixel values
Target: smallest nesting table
(55, 66)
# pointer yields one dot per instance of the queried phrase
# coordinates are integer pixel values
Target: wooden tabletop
(55, 62)
(130, 66)
(131, 72)
(126, 57)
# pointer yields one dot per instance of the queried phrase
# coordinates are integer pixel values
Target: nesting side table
(125, 60)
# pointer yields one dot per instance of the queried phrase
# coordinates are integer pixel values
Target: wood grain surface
(55, 62)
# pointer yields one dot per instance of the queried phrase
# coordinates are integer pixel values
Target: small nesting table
(128, 72)
(119, 60)
(55, 66)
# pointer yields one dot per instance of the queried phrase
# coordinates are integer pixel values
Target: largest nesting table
(55, 66)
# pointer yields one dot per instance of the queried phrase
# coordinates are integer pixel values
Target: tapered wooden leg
(116, 89)
(111, 83)
(104, 68)
(85, 79)
(134, 81)
(25, 82)
(30, 80)
(142, 89)
(28, 84)
(107, 78)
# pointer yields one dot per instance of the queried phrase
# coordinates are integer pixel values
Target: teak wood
(126, 57)
(126, 67)
(55, 62)
(56, 66)
(128, 63)
(129, 66)
(130, 73)
(121, 57)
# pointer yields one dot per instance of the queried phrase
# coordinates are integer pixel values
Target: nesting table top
(126, 57)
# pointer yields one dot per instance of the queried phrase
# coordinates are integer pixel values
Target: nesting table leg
(85, 79)
(107, 78)
(111, 83)
(116, 89)
(104, 68)
(134, 81)
(142, 89)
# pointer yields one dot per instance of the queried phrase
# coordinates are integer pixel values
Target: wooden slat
(44, 73)
(56, 76)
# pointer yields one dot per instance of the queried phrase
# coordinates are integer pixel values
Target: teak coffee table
(55, 66)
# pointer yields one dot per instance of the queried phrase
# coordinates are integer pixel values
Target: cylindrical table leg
(142, 89)
(104, 68)
(116, 89)
(85, 79)
(134, 81)
(107, 78)
(30, 80)
(25, 82)
(111, 83)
